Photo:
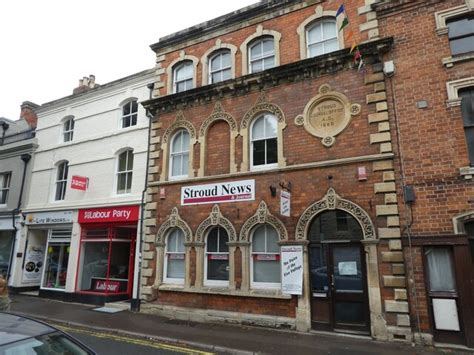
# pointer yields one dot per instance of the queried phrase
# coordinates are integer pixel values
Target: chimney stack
(85, 84)
(28, 113)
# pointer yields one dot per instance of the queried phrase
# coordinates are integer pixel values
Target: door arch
(332, 201)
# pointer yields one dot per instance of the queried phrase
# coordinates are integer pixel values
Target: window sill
(226, 291)
(467, 172)
(449, 62)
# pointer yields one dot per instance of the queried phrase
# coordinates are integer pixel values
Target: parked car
(22, 335)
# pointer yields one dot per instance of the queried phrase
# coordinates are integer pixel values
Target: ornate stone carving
(180, 122)
(260, 217)
(261, 106)
(216, 219)
(332, 201)
(217, 114)
(174, 221)
(327, 114)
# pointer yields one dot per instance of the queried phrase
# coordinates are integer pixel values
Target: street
(113, 344)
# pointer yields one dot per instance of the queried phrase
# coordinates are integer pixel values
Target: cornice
(292, 72)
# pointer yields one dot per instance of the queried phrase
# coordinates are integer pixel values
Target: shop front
(107, 253)
(45, 252)
(7, 242)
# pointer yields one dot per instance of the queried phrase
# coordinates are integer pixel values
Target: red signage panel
(79, 182)
(109, 214)
(104, 286)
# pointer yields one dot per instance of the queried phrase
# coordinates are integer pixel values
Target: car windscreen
(51, 344)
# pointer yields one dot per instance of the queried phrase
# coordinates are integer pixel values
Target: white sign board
(56, 217)
(292, 269)
(285, 201)
(233, 191)
(6, 223)
(445, 314)
(34, 260)
(347, 268)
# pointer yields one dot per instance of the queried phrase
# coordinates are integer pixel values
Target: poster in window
(34, 260)
(347, 268)
(292, 269)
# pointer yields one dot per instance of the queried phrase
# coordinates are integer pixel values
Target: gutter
(25, 158)
(135, 302)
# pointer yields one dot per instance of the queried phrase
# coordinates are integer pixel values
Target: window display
(106, 259)
(6, 244)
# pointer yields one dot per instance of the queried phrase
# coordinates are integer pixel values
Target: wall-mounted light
(273, 190)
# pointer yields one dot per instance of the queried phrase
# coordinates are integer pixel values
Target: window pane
(134, 120)
(6, 245)
(257, 66)
(94, 263)
(129, 160)
(267, 47)
(272, 240)
(216, 77)
(329, 29)
(185, 164)
(175, 241)
(269, 63)
(272, 151)
(462, 45)
(259, 152)
(223, 240)
(256, 51)
(314, 34)
(461, 27)
(212, 240)
(56, 266)
(331, 46)
(121, 183)
(180, 87)
(226, 74)
(316, 50)
(126, 109)
(134, 106)
(176, 165)
(184, 72)
(440, 269)
(258, 240)
(122, 162)
(129, 181)
(216, 62)
(184, 141)
(225, 59)
(258, 129)
(270, 126)
(217, 269)
(318, 269)
(266, 271)
(175, 268)
(177, 143)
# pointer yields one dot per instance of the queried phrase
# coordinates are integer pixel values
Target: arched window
(264, 142)
(68, 129)
(174, 267)
(125, 172)
(467, 109)
(179, 155)
(261, 54)
(129, 114)
(265, 258)
(216, 264)
(321, 38)
(183, 75)
(61, 181)
(220, 67)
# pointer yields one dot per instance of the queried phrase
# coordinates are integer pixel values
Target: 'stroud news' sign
(234, 191)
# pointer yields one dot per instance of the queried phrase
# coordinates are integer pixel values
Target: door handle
(332, 281)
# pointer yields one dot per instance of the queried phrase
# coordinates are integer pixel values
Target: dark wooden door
(339, 299)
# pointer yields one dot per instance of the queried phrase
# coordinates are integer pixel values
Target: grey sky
(47, 45)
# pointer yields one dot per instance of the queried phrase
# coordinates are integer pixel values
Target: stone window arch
(319, 15)
(259, 32)
(218, 114)
(216, 218)
(170, 70)
(210, 53)
(261, 217)
(173, 221)
(332, 201)
(262, 106)
(179, 123)
(460, 221)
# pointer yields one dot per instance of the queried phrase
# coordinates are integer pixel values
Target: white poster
(34, 260)
(292, 269)
(285, 201)
(347, 268)
(446, 314)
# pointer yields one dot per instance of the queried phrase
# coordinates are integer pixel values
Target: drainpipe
(135, 304)
(25, 158)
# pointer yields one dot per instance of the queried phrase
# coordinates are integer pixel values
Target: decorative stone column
(378, 326)
(232, 249)
(187, 265)
(245, 252)
(160, 254)
(199, 248)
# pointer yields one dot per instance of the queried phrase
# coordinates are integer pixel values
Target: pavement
(218, 338)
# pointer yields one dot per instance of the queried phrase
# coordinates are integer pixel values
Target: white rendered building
(81, 221)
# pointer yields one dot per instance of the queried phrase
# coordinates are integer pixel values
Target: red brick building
(275, 188)
(431, 104)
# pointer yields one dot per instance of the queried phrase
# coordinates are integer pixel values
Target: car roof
(14, 328)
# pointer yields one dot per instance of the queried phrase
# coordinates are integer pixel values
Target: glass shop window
(57, 259)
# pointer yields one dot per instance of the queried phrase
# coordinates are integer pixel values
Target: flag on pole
(341, 10)
(354, 45)
(341, 17)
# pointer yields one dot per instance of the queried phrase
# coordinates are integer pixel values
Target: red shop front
(107, 252)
